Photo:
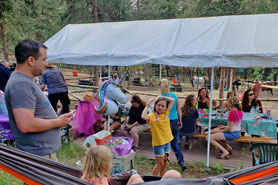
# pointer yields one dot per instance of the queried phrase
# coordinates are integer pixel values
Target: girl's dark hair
(138, 100)
(200, 97)
(245, 99)
(161, 99)
(188, 105)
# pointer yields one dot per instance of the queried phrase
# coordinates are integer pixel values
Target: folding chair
(265, 153)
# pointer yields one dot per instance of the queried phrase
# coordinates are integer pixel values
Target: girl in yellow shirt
(161, 131)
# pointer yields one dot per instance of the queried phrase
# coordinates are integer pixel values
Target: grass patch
(7, 179)
(70, 153)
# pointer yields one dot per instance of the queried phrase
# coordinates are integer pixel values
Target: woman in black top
(203, 98)
(134, 124)
(250, 101)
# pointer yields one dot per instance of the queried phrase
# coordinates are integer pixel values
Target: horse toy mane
(108, 93)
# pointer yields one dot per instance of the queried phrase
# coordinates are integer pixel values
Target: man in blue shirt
(5, 74)
(57, 87)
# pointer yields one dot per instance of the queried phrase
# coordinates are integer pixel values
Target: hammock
(34, 170)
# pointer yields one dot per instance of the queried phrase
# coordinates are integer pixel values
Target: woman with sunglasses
(249, 100)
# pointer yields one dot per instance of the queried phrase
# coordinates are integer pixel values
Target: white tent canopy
(228, 41)
(231, 41)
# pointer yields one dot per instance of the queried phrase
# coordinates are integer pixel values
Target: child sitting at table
(98, 164)
(225, 106)
(230, 132)
(190, 118)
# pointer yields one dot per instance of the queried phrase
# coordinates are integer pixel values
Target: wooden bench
(243, 139)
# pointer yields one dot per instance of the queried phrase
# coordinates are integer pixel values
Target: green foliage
(159, 9)
(70, 153)
(107, 10)
(35, 19)
(5, 7)
(7, 179)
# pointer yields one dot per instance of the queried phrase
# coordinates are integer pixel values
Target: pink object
(235, 116)
(121, 149)
(240, 96)
(86, 117)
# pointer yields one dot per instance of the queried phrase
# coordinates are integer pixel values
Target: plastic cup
(268, 113)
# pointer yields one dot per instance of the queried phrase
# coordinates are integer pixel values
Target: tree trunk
(139, 12)
(228, 74)
(138, 70)
(3, 37)
(95, 15)
(183, 75)
(234, 74)
(95, 20)
(221, 87)
(215, 79)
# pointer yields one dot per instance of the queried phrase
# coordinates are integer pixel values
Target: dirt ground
(186, 90)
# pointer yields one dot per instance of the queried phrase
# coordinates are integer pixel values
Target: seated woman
(203, 99)
(116, 121)
(230, 132)
(225, 106)
(133, 123)
(250, 101)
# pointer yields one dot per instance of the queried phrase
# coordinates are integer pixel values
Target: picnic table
(5, 129)
(256, 124)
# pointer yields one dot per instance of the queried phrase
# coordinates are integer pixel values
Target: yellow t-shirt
(160, 128)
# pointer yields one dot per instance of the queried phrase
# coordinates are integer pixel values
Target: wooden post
(4, 41)
(221, 86)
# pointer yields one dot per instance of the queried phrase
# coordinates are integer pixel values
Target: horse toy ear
(117, 82)
(110, 80)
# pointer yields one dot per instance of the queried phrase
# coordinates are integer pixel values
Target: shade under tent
(227, 41)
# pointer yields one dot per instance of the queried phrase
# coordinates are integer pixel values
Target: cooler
(123, 163)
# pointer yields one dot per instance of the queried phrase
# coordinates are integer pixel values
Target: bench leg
(191, 141)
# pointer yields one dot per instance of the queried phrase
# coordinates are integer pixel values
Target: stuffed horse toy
(107, 95)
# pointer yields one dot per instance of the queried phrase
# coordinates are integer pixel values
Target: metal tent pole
(210, 110)
(108, 124)
(159, 72)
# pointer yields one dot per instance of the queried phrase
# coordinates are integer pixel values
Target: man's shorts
(162, 149)
(142, 128)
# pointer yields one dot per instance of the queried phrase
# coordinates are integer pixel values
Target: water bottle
(258, 109)
(117, 168)
(253, 110)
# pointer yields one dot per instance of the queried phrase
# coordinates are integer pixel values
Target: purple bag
(122, 149)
